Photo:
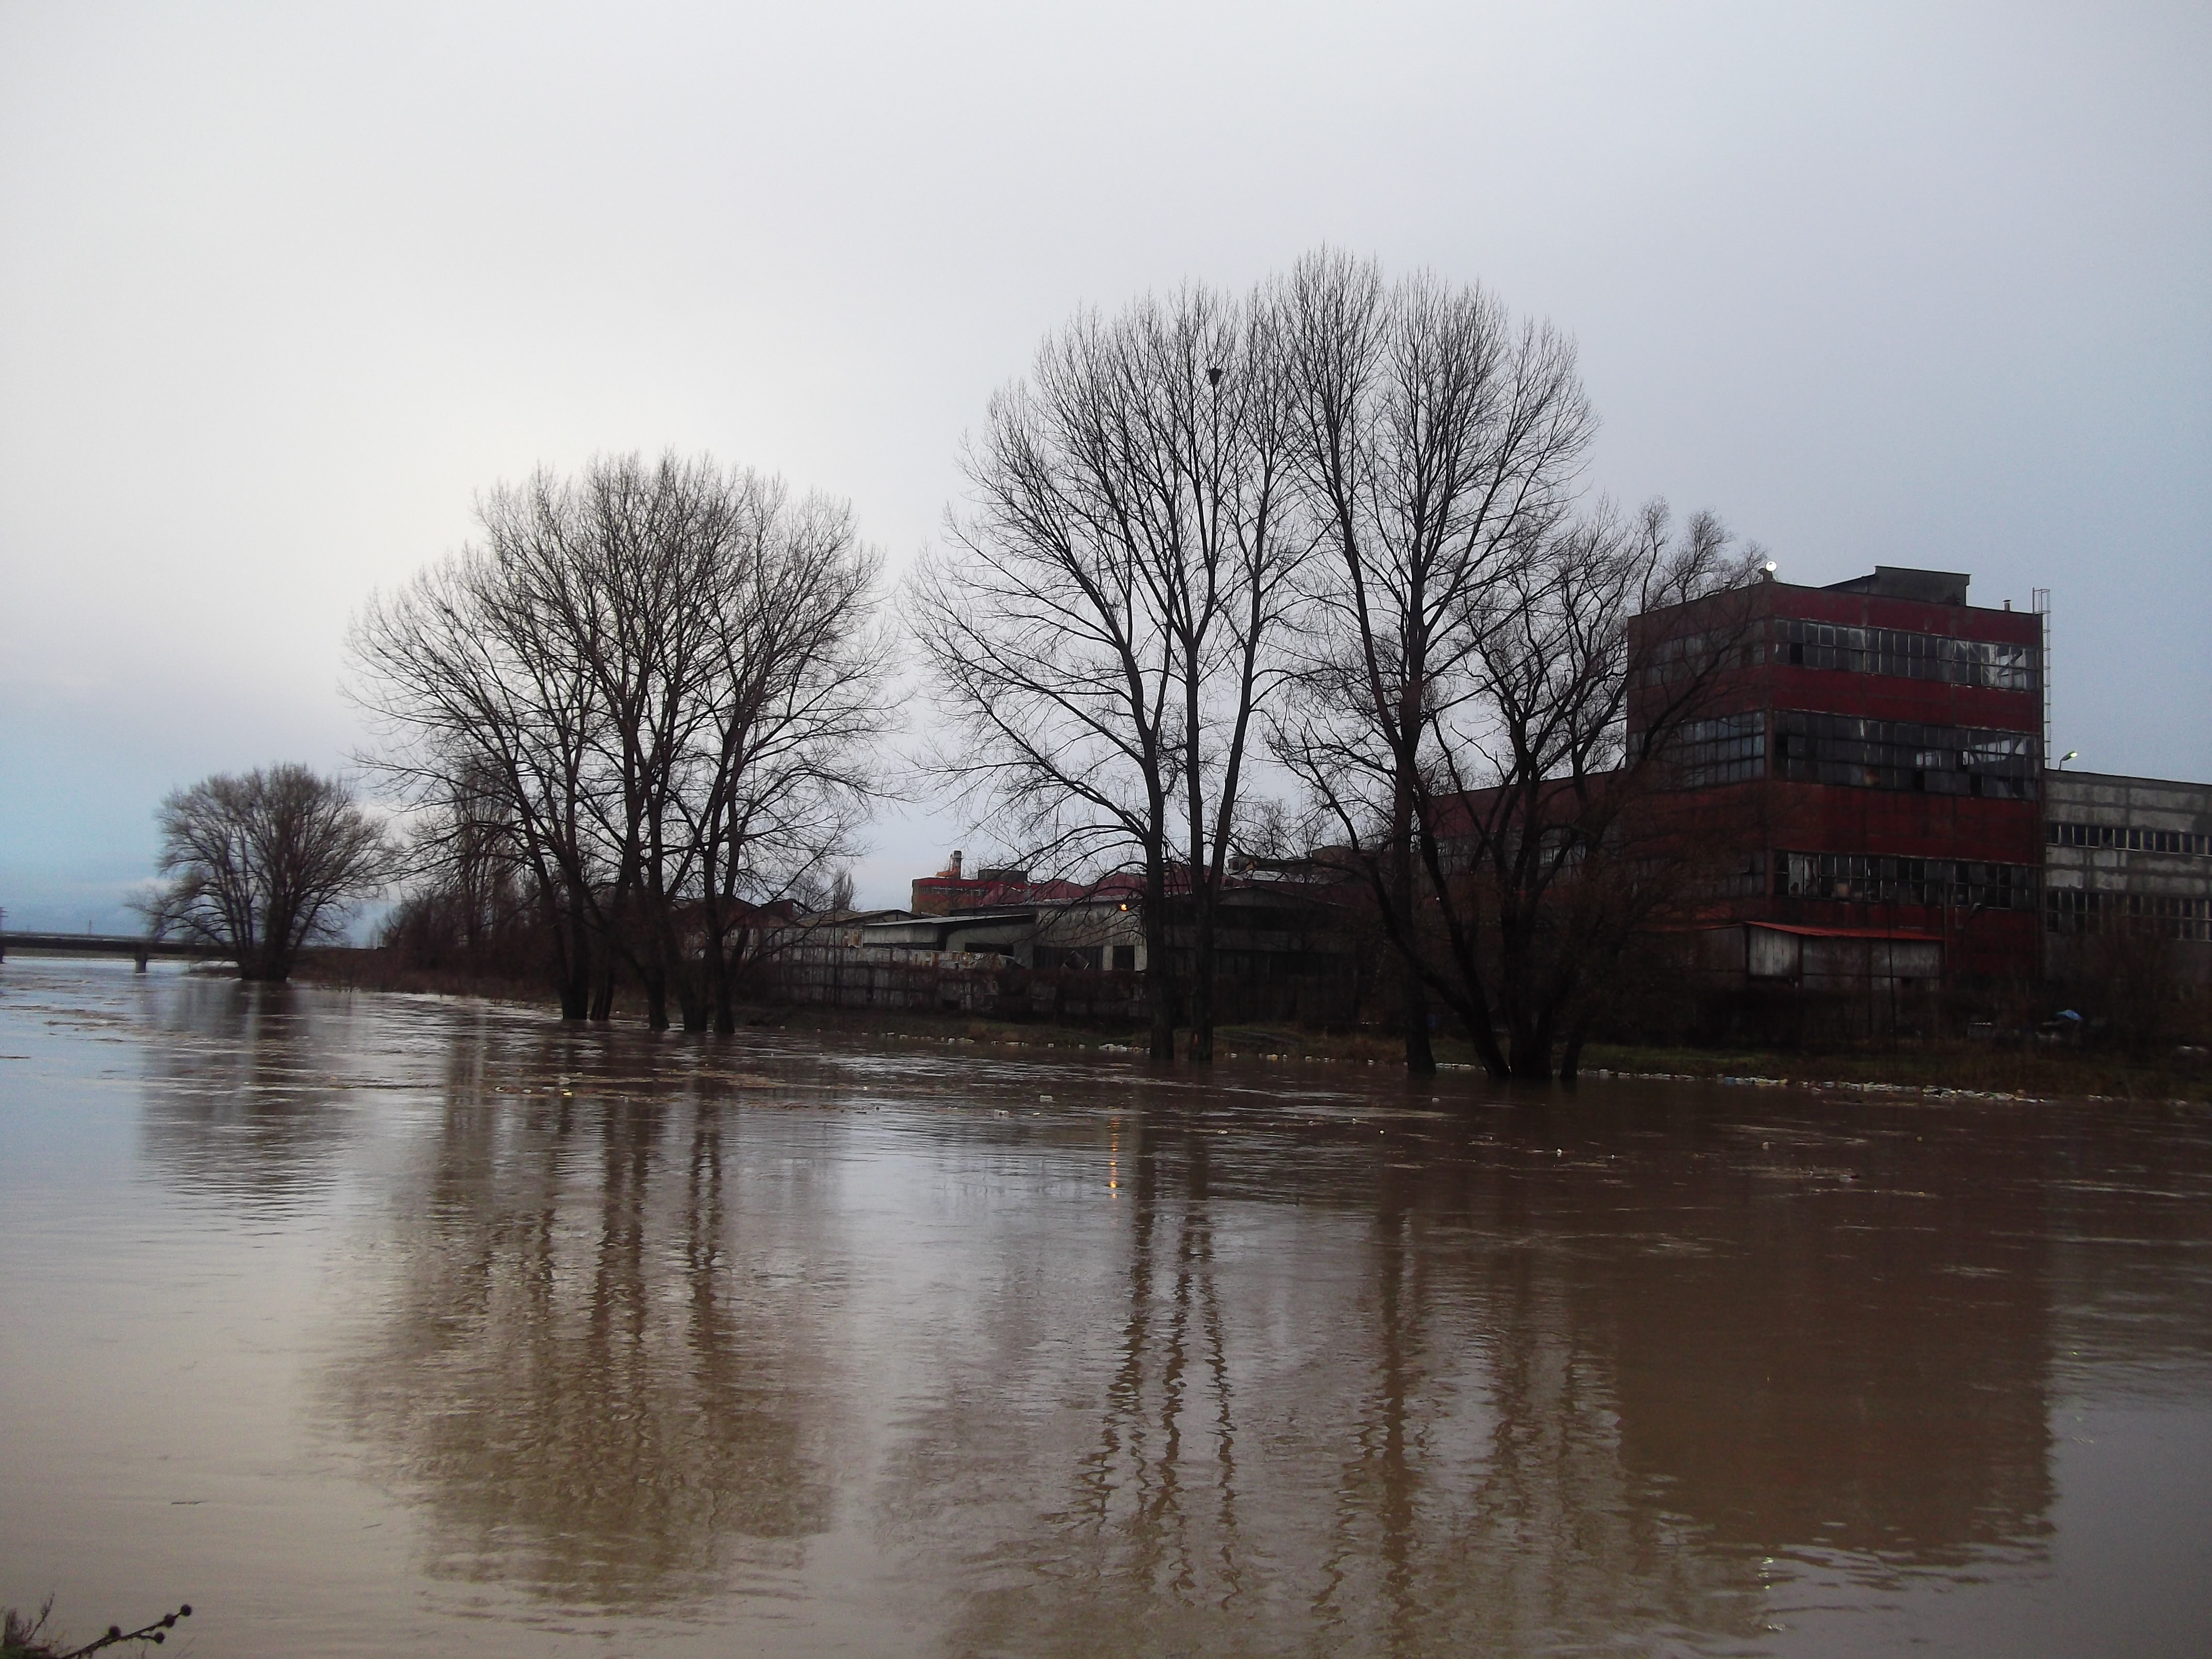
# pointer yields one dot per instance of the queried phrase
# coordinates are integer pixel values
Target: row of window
(1939, 760)
(1878, 878)
(1683, 656)
(1697, 650)
(2070, 910)
(1895, 651)
(1842, 749)
(1730, 748)
(1912, 656)
(2128, 838)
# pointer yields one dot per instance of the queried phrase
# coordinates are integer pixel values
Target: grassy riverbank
(2034, 1070)
(2038, 1071)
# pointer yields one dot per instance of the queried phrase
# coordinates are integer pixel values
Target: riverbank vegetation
(258, 865)
(2017, 1063)
(1235, 575)
(1335, 522)
(1303, 580)
(634, 724)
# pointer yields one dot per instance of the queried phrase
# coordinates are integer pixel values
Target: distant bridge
(140, 950)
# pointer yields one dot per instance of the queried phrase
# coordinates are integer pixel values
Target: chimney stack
(956, 864)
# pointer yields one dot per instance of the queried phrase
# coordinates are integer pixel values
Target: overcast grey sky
(282, 288)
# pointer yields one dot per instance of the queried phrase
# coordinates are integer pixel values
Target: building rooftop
(1895, 581)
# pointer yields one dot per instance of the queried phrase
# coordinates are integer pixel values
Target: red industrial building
(953, 889)
(1875, 749)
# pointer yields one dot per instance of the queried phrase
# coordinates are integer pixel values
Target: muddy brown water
(378, 1324)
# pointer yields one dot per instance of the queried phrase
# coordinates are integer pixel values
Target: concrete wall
(2087, 890)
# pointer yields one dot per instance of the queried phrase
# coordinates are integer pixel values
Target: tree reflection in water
(1517, 1397)
(247, 1108)
(597, 1373)
(1164, 1368)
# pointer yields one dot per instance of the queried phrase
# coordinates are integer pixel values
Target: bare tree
(781, 767)
(472, 904)
(1099, 630)
(673, 677)
(1438, 445)
(1540, 818)
(261, 864)
(476, 686)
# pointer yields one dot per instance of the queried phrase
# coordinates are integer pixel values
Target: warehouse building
(2126, 855)
(1875, 747)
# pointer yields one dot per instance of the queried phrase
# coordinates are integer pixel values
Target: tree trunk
(683, 977)
(1161, 990)
(691, 1003)
(1571, 1060)
(1481, 1027)
(1159, 969)
(1412, 994)
(718, 990)
(1200, 1047)
(1492, 1057)
(1398, 872)
(1414, 1000)
(268, 957)
(576, 971)
(1532, 1048)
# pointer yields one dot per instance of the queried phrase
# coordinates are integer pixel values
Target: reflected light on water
(365, 1321)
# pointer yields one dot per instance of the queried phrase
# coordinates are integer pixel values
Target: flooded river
(375, 1324)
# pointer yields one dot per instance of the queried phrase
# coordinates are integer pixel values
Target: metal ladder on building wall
(2039, 599)
(2039, 602)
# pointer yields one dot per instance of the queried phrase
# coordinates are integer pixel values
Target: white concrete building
(2127, 852)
